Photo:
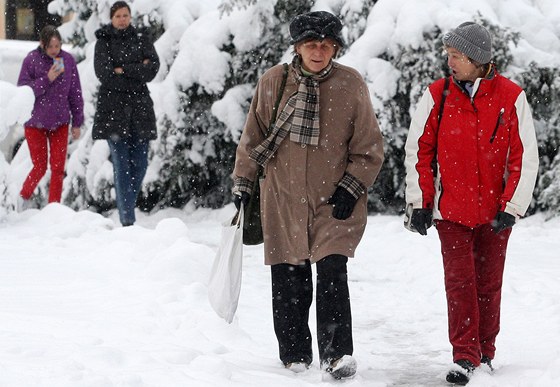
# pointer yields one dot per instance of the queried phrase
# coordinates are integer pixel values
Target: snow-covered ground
(85, 302)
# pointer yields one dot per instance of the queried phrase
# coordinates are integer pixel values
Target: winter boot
(461, 375)
(486, 360)
(23, 204)
(297, 367)
(342, 368)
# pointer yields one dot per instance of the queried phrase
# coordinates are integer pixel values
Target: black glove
(502, 221)
(343, 202)
(243, 197)
(421, 220)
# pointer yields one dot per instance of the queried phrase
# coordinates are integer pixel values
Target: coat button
(303, 200)
(303, 145)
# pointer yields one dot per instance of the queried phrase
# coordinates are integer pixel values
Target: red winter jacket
(487, 158)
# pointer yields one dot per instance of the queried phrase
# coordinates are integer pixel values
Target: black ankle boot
(461, 377)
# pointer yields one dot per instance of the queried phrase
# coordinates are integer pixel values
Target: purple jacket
(56, 103)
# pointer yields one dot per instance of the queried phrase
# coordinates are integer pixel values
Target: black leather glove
(421, 220)
(343, 202)
(502, 221)
(243, 197)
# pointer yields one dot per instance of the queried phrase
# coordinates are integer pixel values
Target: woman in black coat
(125, 60)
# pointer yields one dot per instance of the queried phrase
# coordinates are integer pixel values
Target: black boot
(461, 377)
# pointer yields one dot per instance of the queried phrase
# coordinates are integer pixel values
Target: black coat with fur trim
(124, 106)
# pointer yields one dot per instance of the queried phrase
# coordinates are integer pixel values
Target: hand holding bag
(224, 285)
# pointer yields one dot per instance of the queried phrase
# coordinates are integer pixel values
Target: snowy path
(84, 302)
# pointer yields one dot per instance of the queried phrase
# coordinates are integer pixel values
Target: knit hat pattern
(316, 25)
(471, 39)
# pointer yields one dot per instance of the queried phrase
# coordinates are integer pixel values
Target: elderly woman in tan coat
(323, 152)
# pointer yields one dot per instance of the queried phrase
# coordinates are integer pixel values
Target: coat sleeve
(28, 76)
(75, 97)
(254, 133)
(420, 148)
(365, 148)
(103, 62)
(144, 72)
(523, 161)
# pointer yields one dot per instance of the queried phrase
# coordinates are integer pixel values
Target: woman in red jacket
(482, 138)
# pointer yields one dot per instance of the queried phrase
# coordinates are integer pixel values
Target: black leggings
(292, 294)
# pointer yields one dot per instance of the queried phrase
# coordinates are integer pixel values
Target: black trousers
(292, 294)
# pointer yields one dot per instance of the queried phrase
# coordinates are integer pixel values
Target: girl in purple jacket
(53, 76)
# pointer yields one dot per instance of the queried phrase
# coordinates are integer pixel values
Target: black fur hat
(316, 25)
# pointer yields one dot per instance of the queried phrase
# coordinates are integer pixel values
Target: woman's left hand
(343, 203)
(76, 132)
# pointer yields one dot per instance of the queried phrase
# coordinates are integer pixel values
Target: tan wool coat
(299, 179)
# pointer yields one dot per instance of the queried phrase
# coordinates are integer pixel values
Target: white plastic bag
(225, 277)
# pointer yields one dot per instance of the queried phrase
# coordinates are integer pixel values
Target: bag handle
(440, 116)
(238, 218)
(278, 99)
(442, 103)
(273, 117)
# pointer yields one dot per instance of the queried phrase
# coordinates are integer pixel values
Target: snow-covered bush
(213, 52)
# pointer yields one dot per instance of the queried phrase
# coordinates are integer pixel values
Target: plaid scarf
(300, 116)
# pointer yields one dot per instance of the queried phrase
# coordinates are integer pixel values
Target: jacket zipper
(497, 125)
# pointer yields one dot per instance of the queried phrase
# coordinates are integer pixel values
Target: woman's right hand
(241, 198)
(54, 72)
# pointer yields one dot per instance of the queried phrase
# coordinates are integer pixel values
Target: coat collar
(480, 85)
(108, 31)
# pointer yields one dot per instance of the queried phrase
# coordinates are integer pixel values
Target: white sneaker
(22, 204)
(342, 368)
(297, 367)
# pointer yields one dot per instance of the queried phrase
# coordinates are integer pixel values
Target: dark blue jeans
(130, 161)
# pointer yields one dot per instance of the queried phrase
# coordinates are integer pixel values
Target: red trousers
(39, 142)
(473, 262)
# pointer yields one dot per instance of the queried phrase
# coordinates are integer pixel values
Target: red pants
(473, 262)
(37, 140)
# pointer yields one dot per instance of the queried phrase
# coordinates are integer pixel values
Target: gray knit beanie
(471, 39)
